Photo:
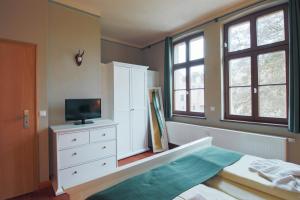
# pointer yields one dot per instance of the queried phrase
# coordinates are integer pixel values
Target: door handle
(26, 117)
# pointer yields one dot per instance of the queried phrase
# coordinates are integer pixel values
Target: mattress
(238, 191)
(203, 192)
(239, 173)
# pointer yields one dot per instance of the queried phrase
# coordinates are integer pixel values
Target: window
(188, 73)
(256, 73)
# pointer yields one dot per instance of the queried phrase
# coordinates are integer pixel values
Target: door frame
(35, 115)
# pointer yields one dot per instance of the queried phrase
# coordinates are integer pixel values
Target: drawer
(79, 155)
(73, 139)
(102, 134)
(83, 173)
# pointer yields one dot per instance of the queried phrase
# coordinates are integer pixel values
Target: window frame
(253, 52)
(187, 65)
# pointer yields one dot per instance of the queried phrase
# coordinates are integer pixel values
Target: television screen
(81, 109)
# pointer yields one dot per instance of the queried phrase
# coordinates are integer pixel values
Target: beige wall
(112, 51)
(27, 21)
(213, 91)
(153, 57)
(70, 30)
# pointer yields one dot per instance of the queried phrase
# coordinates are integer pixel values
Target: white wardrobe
(124, 99)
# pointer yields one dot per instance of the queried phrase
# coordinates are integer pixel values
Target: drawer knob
(75, 172)
(74, 154)
(74, 140)
(104, 134)
(104, 164)
(104, 147)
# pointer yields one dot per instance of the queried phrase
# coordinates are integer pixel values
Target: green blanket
(170, 180)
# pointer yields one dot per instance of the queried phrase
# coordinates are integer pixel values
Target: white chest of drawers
(80, 153)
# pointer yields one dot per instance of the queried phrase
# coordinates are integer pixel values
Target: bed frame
(85, 190)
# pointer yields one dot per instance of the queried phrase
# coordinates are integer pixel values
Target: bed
(241, 175)
(234, 182)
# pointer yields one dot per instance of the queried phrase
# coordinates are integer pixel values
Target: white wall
(153, 79)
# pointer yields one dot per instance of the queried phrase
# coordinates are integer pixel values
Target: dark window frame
(253, 52)
(187, 65)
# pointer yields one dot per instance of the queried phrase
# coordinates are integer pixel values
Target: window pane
(240, 72)
(197, 100)
(180, 53)
(197, 48)
(240, 101)
(180, 100)
(271, 68)
(180, 79)
(272, 101)
(239, 36)
(197, 76)
(270, 28)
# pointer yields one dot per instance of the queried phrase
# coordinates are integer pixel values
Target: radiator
(265, 146)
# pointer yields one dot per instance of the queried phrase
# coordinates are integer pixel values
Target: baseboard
(44, 184)
(172, 146)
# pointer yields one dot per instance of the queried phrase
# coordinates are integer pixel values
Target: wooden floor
(44, 194)
(48, 194)
(135, 158)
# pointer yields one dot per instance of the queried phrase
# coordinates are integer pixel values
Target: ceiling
(142, 22)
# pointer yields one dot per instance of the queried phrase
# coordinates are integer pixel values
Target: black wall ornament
(79, 57)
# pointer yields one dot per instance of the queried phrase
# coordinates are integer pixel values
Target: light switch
(43, 113)
(212, 108)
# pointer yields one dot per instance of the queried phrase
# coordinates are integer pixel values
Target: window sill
(189, 116)
(255, 123)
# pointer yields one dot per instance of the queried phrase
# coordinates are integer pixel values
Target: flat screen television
(82, 109)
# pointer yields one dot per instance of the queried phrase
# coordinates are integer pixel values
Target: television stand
(83, 122)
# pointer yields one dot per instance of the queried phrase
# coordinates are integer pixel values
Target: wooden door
(122, 110)
(18, 144)
(139, 110)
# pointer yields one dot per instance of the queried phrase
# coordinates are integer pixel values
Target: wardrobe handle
(104, 134)
(74, 140)
(75, 172)
(104, 147)
(74, 154)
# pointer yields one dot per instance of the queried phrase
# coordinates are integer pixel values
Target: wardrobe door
(122, 110)
(138, 108)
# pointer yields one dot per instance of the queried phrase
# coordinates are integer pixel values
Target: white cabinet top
(120, 64)
(71, 127)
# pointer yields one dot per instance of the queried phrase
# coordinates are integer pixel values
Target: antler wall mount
(79, 57)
